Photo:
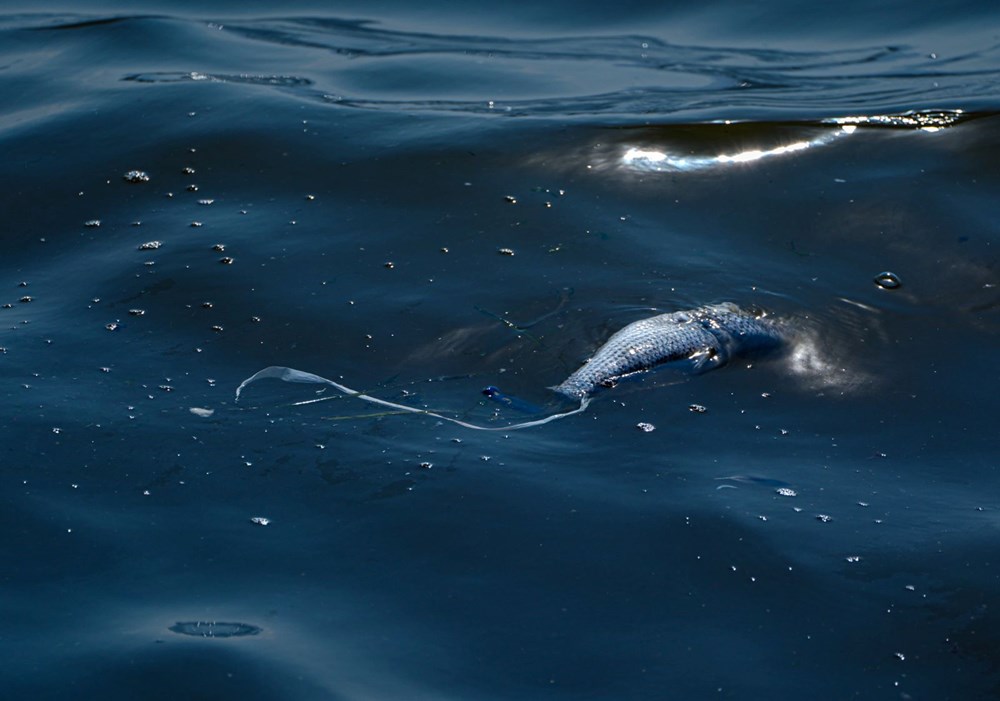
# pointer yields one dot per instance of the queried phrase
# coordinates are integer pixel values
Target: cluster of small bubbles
(786, 492)
(388, 265)
(853, 558)
(226, 260)
(645, 427)
(25, 299)
(188, 170)
(136, 176)
(888, 280)
(824, 518)
(260, 520)
(510, 199)
(196, 224)
(105, 369)
(255, 319)
(505, 251)
(136, 312)
(206, 305)
(150, 245)
(219, 247)
(166, 388)
(426, 465)
(192, 188)
(697, 408)
(206, 201)
(217, 329)
(113, 326)
(92, 223)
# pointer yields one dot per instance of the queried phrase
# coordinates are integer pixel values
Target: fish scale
(707, 336)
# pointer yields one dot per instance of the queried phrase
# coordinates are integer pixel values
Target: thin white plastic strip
(279, 372)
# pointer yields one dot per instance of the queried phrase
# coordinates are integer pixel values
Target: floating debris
(888, 280)
(510, 199)
(786, 492)
(426, 465)
(825, 518)
(260, 520)
(188, 170)
(92, 223)
(505, 251)
(113, 326)
(217, 329)
(136, 176)
(226, 260)
(136, 312)
(645, 427)
(192, 188)
(206, 305)
(206, 201)
(196, 224)
(853, 558)
(219, 247)
(26, 299)
(214, 629)
(697, 408)
(389, 265)
(150, 245)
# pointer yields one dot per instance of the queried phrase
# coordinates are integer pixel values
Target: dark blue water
(421, 202)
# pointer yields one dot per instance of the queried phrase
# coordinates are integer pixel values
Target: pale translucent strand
(292, 375)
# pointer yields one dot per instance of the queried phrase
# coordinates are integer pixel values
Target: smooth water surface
(419, 203)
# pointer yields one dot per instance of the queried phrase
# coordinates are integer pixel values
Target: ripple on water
(214, 629)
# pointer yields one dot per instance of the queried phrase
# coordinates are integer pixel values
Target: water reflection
(652, 160)
(657, 158)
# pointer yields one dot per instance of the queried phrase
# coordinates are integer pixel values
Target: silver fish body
(707, 337)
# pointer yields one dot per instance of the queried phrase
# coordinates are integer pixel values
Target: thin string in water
(292, 375)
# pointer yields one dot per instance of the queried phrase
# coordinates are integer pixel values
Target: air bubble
(136, 176)
(888, 280)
